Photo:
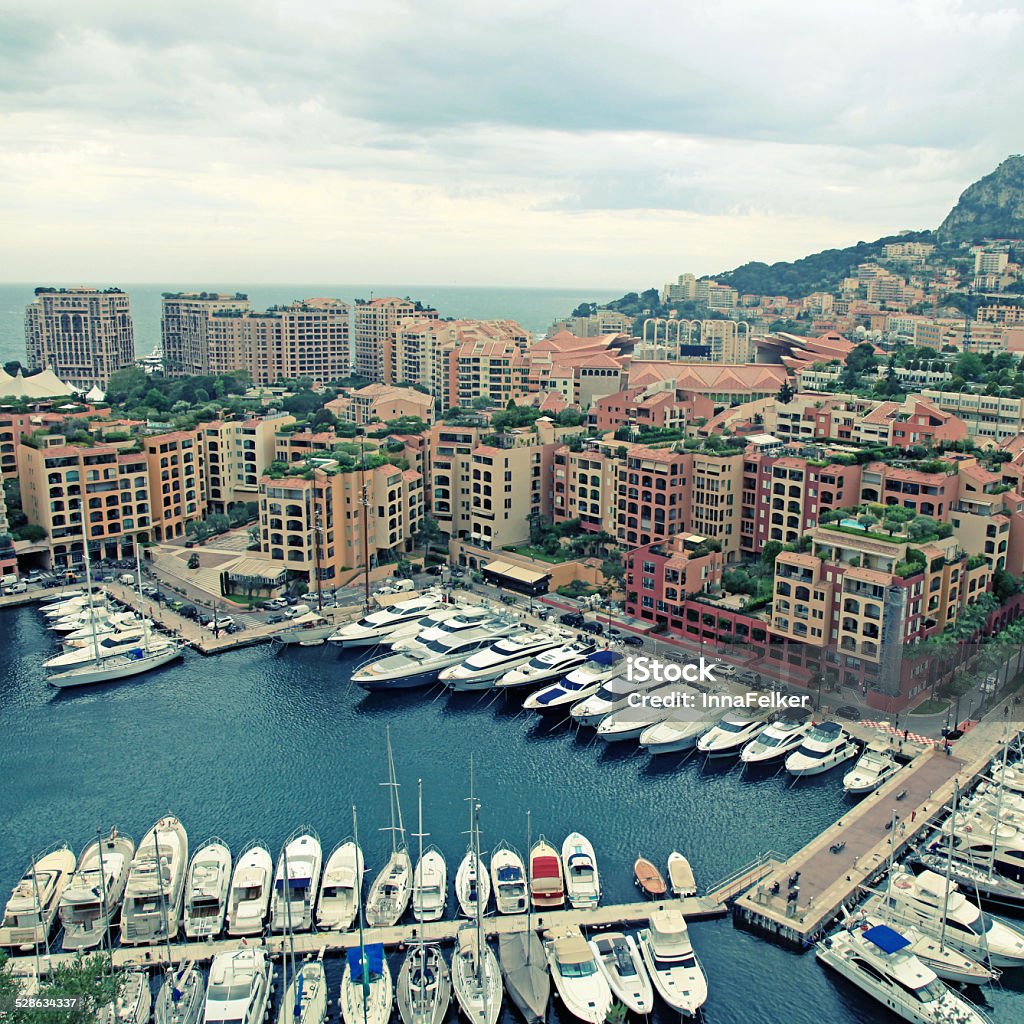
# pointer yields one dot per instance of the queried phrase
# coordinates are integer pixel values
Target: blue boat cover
(297, 1010)
(605, 657)
(374, 961)
(510, 874)
(293, 883)
(887, 940)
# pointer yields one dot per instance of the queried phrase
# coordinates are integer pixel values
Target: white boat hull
(107, 672)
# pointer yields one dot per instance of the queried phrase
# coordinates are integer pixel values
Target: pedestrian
(913, 817)
(906, 734)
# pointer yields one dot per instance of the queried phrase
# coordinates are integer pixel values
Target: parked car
(724, 669)
(189, 611)
(149, 590)
(572, 619)
(849, 712)
(435, 570)
(633, 640)
(274, 605)
(273, 620)
(593, 627)
(16, 588)
(176, 605)
(296, 611)
(221, 622)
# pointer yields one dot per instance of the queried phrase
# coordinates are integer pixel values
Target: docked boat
(874, 766)
(296, 883)
(441, 624)
(1009, 776)
(156, 885)
(133, 1002)
(472, 884)
(824, 747)
(249, 895)
(649, 878)
(305, 999)
(367, 990)
(728, 736)
(980, 838)
(582, 882)
(31, 910)
(91, 901)
(547, 885)
(973, 877)
(341, 888)
(508, 880)
(87, 625)
(181, 997)
(480, 670)
(680, 876)
(775, 742)
(379, 626)
(430, 886)
(878, 961)
(206, 890)
(580, 685)
(672, 964)
(108, 647)
(424, 989)
(672, 736)
(581, 986)
(524, 970)
(619, 960)
(476, 977)
(119, 666)
(392, 888)
(548, 665)
(240, 985)
(662, 704)
(306, 629)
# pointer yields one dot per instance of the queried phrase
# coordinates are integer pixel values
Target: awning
(516, 572)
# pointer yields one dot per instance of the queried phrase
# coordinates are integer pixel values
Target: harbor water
(252, 744)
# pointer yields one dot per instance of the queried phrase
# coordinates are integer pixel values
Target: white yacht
(728, 736)
(377, 627)
(549, 665)
(776, 741)
(619, 960)
(472, 884)
(583, 989)
(480, 670)
(420, 666)
(508, 880)
(878, 961)
(826, 745)
(108, 647)
(31, 910)
(392, 888)
(206, 890)
(240, 985)
(367, 990)
(599, 671)
(98, 621)
(680, 876)
(182, 996)
(980, 838)
(249, 895)
(1010, 776)
(341, 889)
(305, 999)
(438, 625)
(673, 966)
(133, 1003)
(91, 901)
(673, 736)
(120, 623)
(476, 977)
(662, 704)
(119, 666)
(72, 606)
(582, 882)
(296, 883)
(156, 885)
(596, 701)
(430, 886)
(874, 766)
(424, 989)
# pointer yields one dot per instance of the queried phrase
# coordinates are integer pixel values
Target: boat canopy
(573, 949)
(605, 657)
(510, 874)
(374, 961)
(886, 939)
(516, 577)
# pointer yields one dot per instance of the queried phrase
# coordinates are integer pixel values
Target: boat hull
(107, 673)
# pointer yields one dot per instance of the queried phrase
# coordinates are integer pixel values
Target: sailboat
(366, 987)
(475, 974)
(523, 965)
(424, 984)
(472, 882)
(182, 996)
(392, 888)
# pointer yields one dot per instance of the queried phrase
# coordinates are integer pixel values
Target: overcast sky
(456, 142)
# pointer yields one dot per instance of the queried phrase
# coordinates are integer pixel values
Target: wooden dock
(697, 908)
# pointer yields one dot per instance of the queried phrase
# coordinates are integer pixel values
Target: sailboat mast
(90, 610)
(163, 896)
(418, 908)
(999, 806)
(105, 934)
(479, 917)
(359, 918)
(39, 915)
(949, 861)
(529, 894)
(142, 609)
(286, 889)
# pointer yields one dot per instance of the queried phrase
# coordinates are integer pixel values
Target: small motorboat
(648, 877)
(508, 880)
(547, 886)
(873, 767)
(619, 960)
(582, 883)
(680, 875)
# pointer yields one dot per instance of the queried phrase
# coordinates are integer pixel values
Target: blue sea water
(252, 744)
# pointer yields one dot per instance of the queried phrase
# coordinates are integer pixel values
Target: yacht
(305, 999)
(973, 877)
(31, 910)
(672, 963)
(878, 961)
(680, 876)
(924, 900)
(672, 737)
(419, 666)
(1010, 776)
(108, 647)
(86, 625)
(133, 1002)
(443, 623)
(430, 886)
(775, 741)
(508, 880)
(206, 890)
(583, 989)
(182, 996)
(91, 901)
(663, 704)
(547, 886)
(392, 888)
(341, 889)
(549, 665)
(424, 989)
(240, 985)
(619, 960)
(249, 895)
(296, 883)
(524, 970)
(126, 623)
(472, 884)
(366, 986)
(731, 734)
(580, 685)
(73, 606)
(156, 885)
(979, 838)
(476, 977)
(823, 748)
(134, 662)
(379, 626)
(480, 670)
(582, 882)
(873, 767)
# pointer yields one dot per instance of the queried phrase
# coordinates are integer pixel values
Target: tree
(324, 420)
(218, 522)
(198, 530)
(770, 552)
(786, 393)
(429, 535)
(867, 520)
(1005, 585)
(90, 980)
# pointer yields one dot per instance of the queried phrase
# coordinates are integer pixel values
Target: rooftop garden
(901, 525)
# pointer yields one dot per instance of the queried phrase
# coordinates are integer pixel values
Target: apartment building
(176, 467)
(82, 334)
(493, 370)
(584, 487)
(985, 416)
(381, 403)
(594, 325)
(238, 453)
(185, 319)
(375, 327)
(661, 405)
(662, 575)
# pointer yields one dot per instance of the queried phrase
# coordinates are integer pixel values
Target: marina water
(252, 744)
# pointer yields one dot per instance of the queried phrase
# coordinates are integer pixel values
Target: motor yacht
(367, 989)
(671, 962)
(442, 623)
(181, 997)
(31, 910)
(874, 766)
(680, 876)
(1010, 776)
(973, 877)
(249, 895)
(595, 701)
(728, 736)
(476, 977)
(156, 885)
(305, 999)
(583, 989)
(673, 736)
(98, 621)
(549, 665)
(547, 884)
(582, 882)
(980, 838)
(133, 1002)
(240, 985)
(775, 742)
(508, 880)
(430, 886)
(377, 627)
(341, 888)
(296, 883)
(662, 704)
(619, 960)
(480, 670)
(824, 747)
(91, 901)
(206, 890)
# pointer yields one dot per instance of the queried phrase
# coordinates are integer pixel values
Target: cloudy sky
(455, 142)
